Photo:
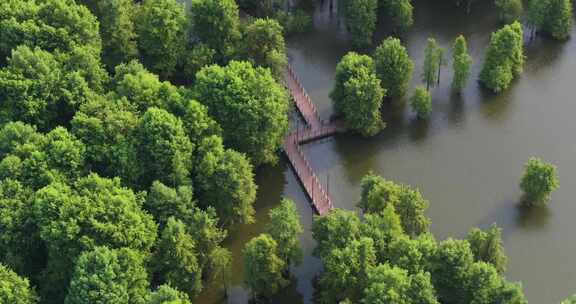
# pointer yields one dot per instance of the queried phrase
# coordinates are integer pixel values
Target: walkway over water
(314, 129)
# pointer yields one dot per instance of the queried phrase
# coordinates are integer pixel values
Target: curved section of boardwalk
(315, 129)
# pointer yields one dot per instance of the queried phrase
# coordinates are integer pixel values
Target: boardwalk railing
(315, 129)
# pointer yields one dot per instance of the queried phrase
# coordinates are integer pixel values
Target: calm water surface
(467, 160)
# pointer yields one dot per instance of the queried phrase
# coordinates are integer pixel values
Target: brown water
(467, 160)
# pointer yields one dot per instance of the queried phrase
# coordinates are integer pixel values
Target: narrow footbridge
(314, 129)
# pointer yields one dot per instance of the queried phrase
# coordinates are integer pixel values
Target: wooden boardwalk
(314, 129)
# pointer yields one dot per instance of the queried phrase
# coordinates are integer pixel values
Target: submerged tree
(487, 247)
(504, 58)
(553, 17)
(263, 266)
(357, 94)
(361, 18)
(461, 63)
(538, 181)
(431, 64)
(509, 10)
(285, 229)
(421, 102)
(393, 67)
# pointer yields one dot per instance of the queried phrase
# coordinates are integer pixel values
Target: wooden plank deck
(315, 129)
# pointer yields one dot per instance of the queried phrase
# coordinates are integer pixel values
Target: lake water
(466, 160)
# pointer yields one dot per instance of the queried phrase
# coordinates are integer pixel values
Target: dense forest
(130, 132)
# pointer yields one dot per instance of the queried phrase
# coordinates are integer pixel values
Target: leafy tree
(449, 266)
(285, 229)
(45, 89)
(168, 295)
(357, 94)
(176, 261)
(461, 63)
(109, 276)
(421, 102)
(553, 17)
(197, 123)
(119, 39)
(164, 202)
(487, 247)
(337, 229)
(432, 62)
(538, 181)
(509, 10)
(393, 67)
(225, 180)
(360, 16)
(378, 193)
(216, 23)
(570, 300)
(199, 56)
(484, 285)
(163, 148)
(161, 28)
(390, 284)
(14, 289)
(264, 45)
(220, 266)
(48, 24)
(346, 271)
(414, 255)
(383, 228)
(107, 129)
(400, 13)
(249, 104)
(263, 266)
(504, 58)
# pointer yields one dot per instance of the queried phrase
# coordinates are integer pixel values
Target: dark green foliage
(509, 10)
(449, 265)
(378, 193)
(48, 24)
(421, 102)
(538, 181)
(225, 181)
(358, 95)
(263, 266)
(294, 22)
(117, 30)
(196, 58)
(164, 202)
(109, 276)
(432, 61)
(161, 28)
(487, 247)
(553, 17)
(400, 13)
(176, 258)
(14, 289)
(45, 89)
(461, 63)
(216, 23)
(390, 284)
(361, 18)
(504, 58)
(249, 104)
(163, 148)
(285, 229)
(336, 230)
(264, 45)
(393, 67)
(168, 295)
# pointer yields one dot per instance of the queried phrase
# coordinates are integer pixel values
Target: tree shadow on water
(419, 129)
(532, 217)
(456, 114)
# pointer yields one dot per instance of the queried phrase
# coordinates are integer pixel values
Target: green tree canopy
(285, 229)
(48, 24)
(449, 269)
(216, 23)
(509, 10)
(361, 17)
(538, 181)
(164, 202)
(250, 106)
(400, 13)
(109, 276)
(263, 266)
(117, 29)
(487, 247)
(14, 289)
(225, 180)
(357, 94)
(264, 45)
(461, 63)
(390, 284)
(176, 260)
(553, 17)
(421, 102)
(164, 150)
(393, 67)
(504, 58)
(168, 295)
(161, 28)
(431, 65)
